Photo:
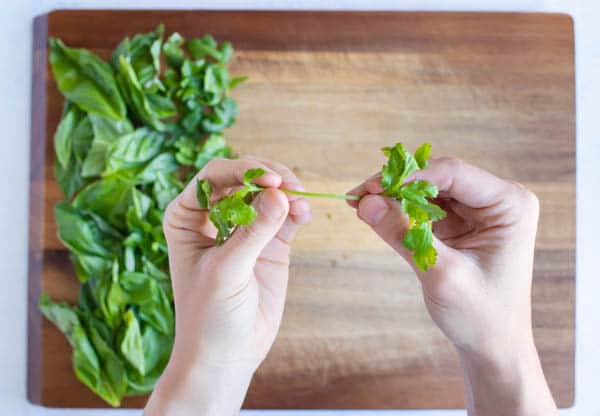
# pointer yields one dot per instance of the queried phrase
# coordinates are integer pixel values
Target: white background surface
(16, 19)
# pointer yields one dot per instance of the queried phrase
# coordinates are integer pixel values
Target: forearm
(507, 383)
(202, 391)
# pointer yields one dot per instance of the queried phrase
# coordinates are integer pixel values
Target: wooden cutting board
(326, 91)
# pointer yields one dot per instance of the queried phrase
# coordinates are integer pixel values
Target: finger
(386, 218)
(463, 182)
(189, 227)
(185, 222)
(300, 209)
(226, 173)
(453, 225)
(248, 242)
(370, 186)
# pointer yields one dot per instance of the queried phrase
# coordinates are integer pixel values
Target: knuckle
(455, 163)
(170, 216)
(528, 202)
(248, 232)
(211, 166)
(450, 163)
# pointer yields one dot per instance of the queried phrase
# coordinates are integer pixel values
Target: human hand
(479, 291)
(229, 299)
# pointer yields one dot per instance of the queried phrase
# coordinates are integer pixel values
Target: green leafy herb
(233, 210)
(414, 197)
(131, 134)
(86, 80)
(236, 210)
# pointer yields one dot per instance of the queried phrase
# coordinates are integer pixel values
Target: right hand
(479, 291)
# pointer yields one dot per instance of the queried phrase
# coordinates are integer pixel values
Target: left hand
(229, 299)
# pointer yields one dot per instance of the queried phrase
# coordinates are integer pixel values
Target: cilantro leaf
(417, 206)
(233, 210)
(422, 154)
(419, 240)
(400, 165)
(203, 191)
(414, 197)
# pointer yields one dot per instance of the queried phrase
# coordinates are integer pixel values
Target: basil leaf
(64, 134)
(131, 343)
(69, 180)
(109, 198)
(85, 359)
(147, 110)
(112, 368)
(223, 116)
(143, 51)
(106, 131)
(69, 177)
(133, 150)
(83, 238)
(86, 80)
(165, 189)
(213, 147)
(164, 164)
(172, 49)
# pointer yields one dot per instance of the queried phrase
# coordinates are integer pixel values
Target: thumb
(386, 218)
(248, 242)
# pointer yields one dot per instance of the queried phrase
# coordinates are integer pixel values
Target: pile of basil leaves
(132, 134)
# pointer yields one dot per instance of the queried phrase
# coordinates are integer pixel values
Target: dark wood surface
(326, 91)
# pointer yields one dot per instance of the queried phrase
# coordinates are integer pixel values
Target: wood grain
(326, 90)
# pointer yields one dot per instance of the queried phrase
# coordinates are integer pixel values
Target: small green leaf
(419, 240)
(131, 343)
(172, 50)
(236, 81)
(203, 47)
(203, 191)
(252, 174)
(64, 134)
(422, 154)
(400, 165)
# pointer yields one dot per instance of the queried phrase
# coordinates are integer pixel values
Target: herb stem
(320, 195)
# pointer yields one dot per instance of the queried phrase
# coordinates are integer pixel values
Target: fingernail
(372, 209)
(269, 206)
(301, 206)
(272, 178)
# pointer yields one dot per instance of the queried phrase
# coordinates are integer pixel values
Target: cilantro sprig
(236, 209)
(415, 200)
(233, 210)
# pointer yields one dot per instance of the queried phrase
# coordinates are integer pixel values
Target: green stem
(320, 195)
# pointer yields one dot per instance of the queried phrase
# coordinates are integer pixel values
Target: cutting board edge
(36, 207)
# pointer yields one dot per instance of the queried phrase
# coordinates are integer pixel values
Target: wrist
(506, 380)
(200, 388)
